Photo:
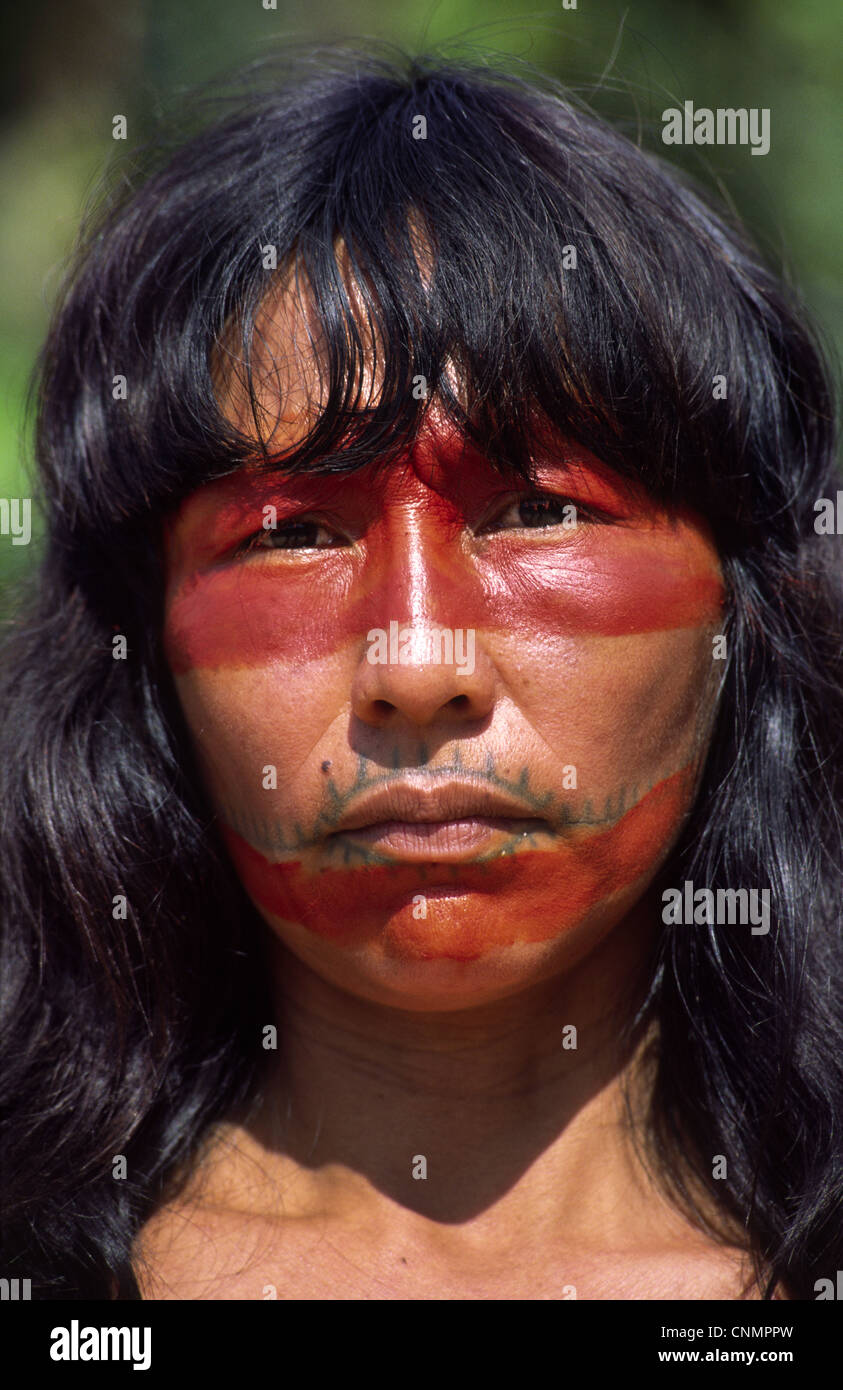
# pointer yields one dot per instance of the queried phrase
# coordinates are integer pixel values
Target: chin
(430, 965)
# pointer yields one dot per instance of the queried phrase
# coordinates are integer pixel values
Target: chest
(242, 1258)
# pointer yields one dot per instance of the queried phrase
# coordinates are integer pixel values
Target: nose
(421, 675)
(421, 669)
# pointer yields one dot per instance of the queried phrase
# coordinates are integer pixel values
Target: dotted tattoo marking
(270, 837)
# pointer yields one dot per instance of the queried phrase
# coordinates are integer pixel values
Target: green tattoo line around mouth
(267, 835)
(327, 821)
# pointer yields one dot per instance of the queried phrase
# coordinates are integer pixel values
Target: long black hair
(132, 994)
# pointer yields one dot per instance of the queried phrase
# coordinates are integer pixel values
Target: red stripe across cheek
(250, 614)
(619, 586)
(530, 896)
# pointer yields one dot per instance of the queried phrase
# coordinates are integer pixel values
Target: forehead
(275, 389)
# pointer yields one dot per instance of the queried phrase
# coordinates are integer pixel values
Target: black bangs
(482, 242)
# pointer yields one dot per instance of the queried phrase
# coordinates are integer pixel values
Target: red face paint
(530, 896)
(641, 571)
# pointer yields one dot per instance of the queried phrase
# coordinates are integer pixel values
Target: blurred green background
(68, 66)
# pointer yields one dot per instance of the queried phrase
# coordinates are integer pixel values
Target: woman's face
(451, 728)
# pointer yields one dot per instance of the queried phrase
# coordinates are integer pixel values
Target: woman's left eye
(541, 511)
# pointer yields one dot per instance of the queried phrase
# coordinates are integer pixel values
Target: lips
(452, 820)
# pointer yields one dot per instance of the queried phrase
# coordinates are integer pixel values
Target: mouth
(449, 823)
(451, 840)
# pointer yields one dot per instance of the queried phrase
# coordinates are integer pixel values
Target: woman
(421, 755)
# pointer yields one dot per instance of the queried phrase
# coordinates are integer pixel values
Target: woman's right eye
(291, 535)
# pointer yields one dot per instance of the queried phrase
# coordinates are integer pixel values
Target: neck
(480, 1118)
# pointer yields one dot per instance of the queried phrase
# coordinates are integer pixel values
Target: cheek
(617, 708)
(608, 581)
(247, 718)
(250, 616)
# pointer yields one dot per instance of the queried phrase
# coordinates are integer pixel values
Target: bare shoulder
(694, 1273)
(188, 1251)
